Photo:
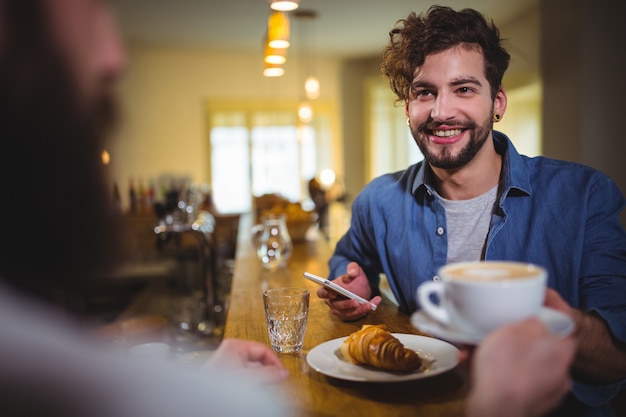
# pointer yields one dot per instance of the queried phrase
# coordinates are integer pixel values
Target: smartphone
(331, 285)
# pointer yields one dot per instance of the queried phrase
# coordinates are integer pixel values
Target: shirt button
(436, 278)
(440, 231)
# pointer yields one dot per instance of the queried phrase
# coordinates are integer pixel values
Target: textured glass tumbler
(286, 313)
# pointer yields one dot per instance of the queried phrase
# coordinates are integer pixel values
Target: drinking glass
(286, 313)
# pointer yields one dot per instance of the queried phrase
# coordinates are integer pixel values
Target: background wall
(164, 94)
(584, 84)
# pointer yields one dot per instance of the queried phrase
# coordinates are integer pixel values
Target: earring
(408, 121)
(497, 117)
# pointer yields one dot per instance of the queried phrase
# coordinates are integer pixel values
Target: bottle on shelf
(132, 196)
(117, 199)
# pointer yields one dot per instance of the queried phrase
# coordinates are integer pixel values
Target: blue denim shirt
(560, 215)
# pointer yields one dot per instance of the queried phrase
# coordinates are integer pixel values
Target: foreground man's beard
(444, 159)
(58, 224)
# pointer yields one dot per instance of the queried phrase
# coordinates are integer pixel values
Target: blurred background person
(324, 190)
(318, 195)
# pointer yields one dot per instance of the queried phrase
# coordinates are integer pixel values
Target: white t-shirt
(468, 223)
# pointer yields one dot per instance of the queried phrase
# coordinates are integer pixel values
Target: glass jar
(274, 246)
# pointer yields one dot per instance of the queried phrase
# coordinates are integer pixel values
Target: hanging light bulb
(274, 55)
(273, 70)
(284, 5)
(305, 112)
(312, 87)
(311, 83)
(327, 178)
(106, 158)
(278, 30)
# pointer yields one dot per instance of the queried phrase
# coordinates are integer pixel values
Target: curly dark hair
(440, 28)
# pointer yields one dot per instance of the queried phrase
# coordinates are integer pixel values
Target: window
(257, 151)
(392, 146)
(229, 165)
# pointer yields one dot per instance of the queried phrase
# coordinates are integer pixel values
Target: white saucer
(558, 323)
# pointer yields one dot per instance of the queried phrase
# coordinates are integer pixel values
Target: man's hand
(254, 359)
(354, 280)
(520, 370)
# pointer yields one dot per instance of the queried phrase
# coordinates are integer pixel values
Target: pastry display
(298, 219)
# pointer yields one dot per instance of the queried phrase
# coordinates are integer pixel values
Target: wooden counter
(315, 394)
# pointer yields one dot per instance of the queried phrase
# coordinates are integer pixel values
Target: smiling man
(473, 197)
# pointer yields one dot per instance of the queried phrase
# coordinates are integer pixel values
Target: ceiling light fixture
(106, 157)
(305, 112)
(274, 55)
(284, 5)
(307, 58)
(312, 87)
(273, 70)
(305, 20)
(278, 30)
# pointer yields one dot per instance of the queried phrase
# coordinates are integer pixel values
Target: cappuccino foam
(491, 271)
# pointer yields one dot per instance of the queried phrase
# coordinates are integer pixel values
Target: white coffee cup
(478, 297)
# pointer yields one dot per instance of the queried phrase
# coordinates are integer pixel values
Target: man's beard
(444, 158)
(58, 224)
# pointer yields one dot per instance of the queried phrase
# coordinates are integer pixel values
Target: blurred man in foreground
(59, 60)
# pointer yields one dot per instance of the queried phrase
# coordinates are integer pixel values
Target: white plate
(438, 357)
(558, 323)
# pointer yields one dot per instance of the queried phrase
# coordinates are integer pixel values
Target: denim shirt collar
(515, 177)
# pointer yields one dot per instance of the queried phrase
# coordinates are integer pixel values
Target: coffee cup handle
(436, 311)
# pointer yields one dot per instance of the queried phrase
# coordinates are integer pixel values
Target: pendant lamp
(284, 5)
(278, 30)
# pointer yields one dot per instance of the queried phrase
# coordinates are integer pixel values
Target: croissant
(375, 346)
